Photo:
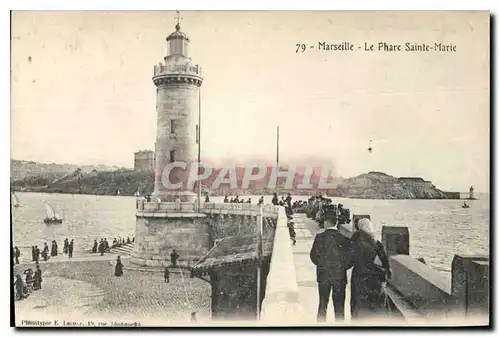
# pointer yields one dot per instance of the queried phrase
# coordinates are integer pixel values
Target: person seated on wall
(275, 201)
(261, 200)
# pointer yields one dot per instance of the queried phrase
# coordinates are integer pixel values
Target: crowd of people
(317, 207)
(237, 200)
(334, 254)
(45, 253)
(33, 279)
(32, 282)
(103, 245)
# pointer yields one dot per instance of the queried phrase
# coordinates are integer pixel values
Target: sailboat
(15, 200)
(51, 216)
(465, 205)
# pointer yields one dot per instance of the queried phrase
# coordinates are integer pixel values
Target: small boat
(15, 201)
(51, 216)
(465, 205)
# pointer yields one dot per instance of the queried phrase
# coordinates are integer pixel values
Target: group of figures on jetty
(33, 279)
(237, 200)
(174, 257)
(334, 254)
(32, 282)
(46, 253)
(103, 245)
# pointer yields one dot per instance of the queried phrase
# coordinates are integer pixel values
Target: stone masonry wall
(177, 102)
(156, 237)
(191, 234)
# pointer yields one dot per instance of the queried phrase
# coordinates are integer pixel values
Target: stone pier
(163, 226)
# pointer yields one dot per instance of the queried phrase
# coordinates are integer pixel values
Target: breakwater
(417, 293)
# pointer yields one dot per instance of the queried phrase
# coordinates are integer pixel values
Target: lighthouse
(171, 221)
(471, 193)
(177, 82)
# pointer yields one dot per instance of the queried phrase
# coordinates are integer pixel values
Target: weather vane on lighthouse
(178, 26)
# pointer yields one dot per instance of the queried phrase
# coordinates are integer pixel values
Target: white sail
(49, 211)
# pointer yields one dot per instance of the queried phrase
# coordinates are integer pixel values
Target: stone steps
(123, 250)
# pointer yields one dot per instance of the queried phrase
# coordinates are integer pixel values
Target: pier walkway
(306, 229)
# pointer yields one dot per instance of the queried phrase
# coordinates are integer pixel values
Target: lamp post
(277, 156)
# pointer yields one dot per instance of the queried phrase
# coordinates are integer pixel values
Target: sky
(82, 93)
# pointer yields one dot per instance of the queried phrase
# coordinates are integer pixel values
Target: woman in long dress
(53, 251)
(65, 247)
(118, 267)
(368, 279)
(45, 252)
(37, 281)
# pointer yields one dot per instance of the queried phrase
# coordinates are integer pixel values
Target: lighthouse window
(172, 126)
(172, 156)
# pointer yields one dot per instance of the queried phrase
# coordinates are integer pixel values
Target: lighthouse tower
(471, 193)
(177, 82)
(165, 223)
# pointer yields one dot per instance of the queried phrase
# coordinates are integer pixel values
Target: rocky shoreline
(372, 185)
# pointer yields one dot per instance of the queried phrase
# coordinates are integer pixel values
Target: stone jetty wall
(192, 232)
(419, 292)
(416, 292)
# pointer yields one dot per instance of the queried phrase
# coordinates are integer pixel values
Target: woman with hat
(368, 279)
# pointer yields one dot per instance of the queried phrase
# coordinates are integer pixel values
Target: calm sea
(438, 228)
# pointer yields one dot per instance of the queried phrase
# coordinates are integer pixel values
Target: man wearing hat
(330, 255)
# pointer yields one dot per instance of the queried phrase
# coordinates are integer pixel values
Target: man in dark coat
(94, 248)
(17, 253)
(37, 254)
(70, 249)
(33, 253)
(101, 247)
(275, 199)
(166, 275)
(173, 258)
(330, 255)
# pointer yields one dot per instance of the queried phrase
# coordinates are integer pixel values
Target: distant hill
(103, 180)
(378, 185)
(20, 169)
